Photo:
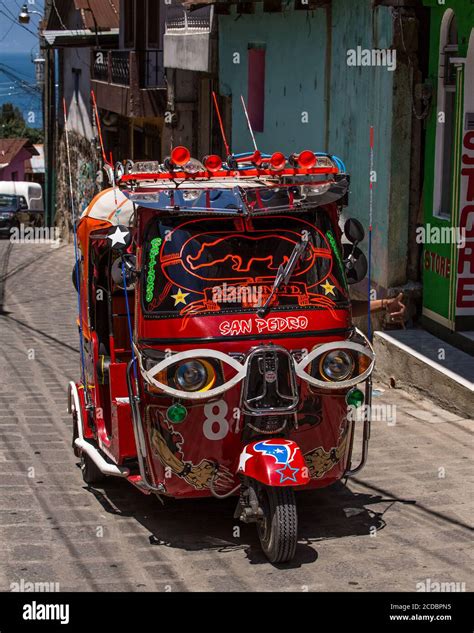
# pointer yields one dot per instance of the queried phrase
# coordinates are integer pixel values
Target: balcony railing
(120, 68)
(181, 22)
(140, 69)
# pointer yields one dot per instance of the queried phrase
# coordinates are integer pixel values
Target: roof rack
(179, 167)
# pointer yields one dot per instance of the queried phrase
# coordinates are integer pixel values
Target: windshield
(220, 264)
(9, 202)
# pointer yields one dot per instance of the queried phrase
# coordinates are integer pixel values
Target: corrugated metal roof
(94, 14)
(100, 14)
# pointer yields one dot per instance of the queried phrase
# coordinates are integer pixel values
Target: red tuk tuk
(218, 352)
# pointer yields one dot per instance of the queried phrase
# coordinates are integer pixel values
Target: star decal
(328, 288)
(180, 297)
(118, 237)
(287, 473)
(244, 457)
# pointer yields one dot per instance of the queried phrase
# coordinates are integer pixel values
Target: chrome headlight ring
(240, 368)
(327, 347)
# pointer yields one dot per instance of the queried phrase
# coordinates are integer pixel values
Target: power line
(14, 19)
(63, 26)
(7, 32)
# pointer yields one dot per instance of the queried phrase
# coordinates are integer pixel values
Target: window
(129, 23)
(153, 22)
(444, 154)
(256, 86)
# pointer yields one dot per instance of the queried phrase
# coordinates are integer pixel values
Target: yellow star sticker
(328, 289)
(180, 297)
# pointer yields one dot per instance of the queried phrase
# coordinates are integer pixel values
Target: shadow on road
(207, 524)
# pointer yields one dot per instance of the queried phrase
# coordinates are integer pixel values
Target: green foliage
(12, 125)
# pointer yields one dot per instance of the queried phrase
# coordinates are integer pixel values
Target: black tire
(90, 472)
(278, 530)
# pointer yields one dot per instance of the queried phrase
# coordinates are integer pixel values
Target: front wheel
(278, 528)
(90, 472)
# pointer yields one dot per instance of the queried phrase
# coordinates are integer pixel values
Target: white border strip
(326, 347)
(443, 370)
(437, 318)
(189, 355)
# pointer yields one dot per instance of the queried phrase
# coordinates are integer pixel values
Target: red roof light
(212, 162)
(180, 156)
(306, 159)
(277, 161)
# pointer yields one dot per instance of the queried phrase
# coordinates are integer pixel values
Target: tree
(12, 125)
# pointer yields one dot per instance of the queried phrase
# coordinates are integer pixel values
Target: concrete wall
(307, 71)
(78, 105)
(295, 77)
(77, 61)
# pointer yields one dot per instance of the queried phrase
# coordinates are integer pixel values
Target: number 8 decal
(213, 419)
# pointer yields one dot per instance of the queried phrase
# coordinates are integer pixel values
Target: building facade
(448, 256)
(318, 75)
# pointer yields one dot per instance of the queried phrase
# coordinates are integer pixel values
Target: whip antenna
(218, 112)
(248, 123)
(76, 254)
(369, 327)
(99, 129)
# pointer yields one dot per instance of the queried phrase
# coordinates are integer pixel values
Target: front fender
(274, 462)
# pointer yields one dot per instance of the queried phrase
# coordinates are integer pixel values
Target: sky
(13, 37)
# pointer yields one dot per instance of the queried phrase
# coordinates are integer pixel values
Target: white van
(32, 192)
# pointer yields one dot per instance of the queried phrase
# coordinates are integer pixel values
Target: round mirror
(354, 231)
(355, 263)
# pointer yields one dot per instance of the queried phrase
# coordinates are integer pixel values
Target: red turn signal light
(305, 160)
(212, 163)
(277, 161)
(180, 156)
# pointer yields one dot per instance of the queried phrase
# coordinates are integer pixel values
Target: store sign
(465, 286)
(465, 269)
(435, 263)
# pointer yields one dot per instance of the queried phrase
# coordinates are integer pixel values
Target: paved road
(403, 521)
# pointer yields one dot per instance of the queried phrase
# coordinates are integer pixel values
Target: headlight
(189, 375)
(195, 375)
(336, 365)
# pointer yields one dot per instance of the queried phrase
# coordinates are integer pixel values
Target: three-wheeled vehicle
(218, 352)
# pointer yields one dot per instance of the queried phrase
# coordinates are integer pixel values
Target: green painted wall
(307, 71)
(436, 289)
(361, 97)
(295, 75)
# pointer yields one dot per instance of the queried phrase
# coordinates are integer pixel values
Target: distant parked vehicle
(31, 196)
(11, 209)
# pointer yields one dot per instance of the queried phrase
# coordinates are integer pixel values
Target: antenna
(371, 197)
(248, 123)
(216, 105)
(99, 129)
(76, 256)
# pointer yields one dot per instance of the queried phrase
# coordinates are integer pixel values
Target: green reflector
(176, 413)
(355, 398)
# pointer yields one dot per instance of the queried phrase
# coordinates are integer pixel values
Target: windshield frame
(336, 264)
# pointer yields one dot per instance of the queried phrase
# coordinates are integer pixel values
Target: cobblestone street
(403, 520)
